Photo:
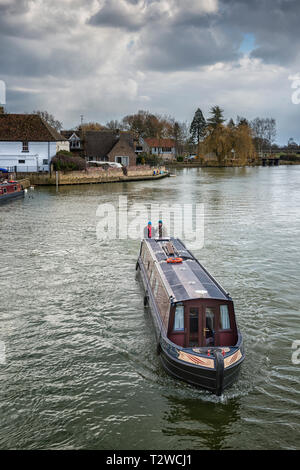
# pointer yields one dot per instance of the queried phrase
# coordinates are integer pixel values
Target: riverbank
(95, 176)
(25, 183)
(210, 164)
(215, 164)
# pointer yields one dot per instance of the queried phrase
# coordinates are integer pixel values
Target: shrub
(66, 161)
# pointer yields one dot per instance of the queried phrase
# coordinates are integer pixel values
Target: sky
(104, 59)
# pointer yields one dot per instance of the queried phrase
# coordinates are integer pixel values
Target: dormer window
(25, 147)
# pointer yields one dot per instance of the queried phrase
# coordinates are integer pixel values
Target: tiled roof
(27, 127)
(67, 134)
(152, 142)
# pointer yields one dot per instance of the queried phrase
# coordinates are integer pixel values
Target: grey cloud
(274, 23)
(189, 39)
(34, 50)
(181, 48)
(113, 15)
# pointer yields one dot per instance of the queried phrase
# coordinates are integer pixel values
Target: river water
(80, 370)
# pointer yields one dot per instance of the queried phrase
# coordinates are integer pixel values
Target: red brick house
(109, 146)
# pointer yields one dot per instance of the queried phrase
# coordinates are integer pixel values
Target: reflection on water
(197, 427)
(81, 366)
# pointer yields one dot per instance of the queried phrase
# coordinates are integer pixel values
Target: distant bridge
(270, 160)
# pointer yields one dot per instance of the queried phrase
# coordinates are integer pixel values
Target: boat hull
(214, 380)
(208, 379)
(10, 196)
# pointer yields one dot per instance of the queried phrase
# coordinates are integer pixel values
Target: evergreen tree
(217, 117)
(231, 124)
(198, 127)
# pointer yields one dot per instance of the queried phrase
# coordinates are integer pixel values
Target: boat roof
(187, 280)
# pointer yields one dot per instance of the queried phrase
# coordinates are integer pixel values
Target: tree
(264, 133)
(219, 141)
(198, 128)
(242, 144)
(217, 117)
(91, 126)
(270, 129)
(180, 135)
(241, 121)
(114, 125)
(144, 124)
(231, 124)
(50, 119)
(232, 144)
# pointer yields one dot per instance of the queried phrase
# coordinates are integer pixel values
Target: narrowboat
(198, 340)
(10, 190)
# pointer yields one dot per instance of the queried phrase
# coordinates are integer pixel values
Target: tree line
(237, 140)
(240, 141)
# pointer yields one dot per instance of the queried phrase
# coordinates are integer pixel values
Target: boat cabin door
(194, 333)
(199, 325)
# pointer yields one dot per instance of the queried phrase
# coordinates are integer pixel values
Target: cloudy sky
(108, 58)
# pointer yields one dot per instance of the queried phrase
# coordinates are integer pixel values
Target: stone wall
(94, 175)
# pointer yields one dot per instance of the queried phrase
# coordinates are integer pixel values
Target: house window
(25, 147)
(21, 161)
(124, 160)
(45, 161)
(75, 144)
(167, 149)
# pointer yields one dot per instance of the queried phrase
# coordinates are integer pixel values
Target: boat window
(210, 318)
(210, 326)
(155, 288)
(179, 318)
(194, 320)
(224, 317)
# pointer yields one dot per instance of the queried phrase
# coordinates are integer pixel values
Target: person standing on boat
(161, 231)
(148, 231)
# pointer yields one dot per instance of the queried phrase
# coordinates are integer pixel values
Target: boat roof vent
(169, 249)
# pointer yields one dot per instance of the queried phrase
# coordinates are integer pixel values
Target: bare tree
(114, 125)
(50, 119)
(264, 132)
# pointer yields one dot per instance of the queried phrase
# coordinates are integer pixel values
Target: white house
(28, 143)
(164, 148)
(74, 139)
